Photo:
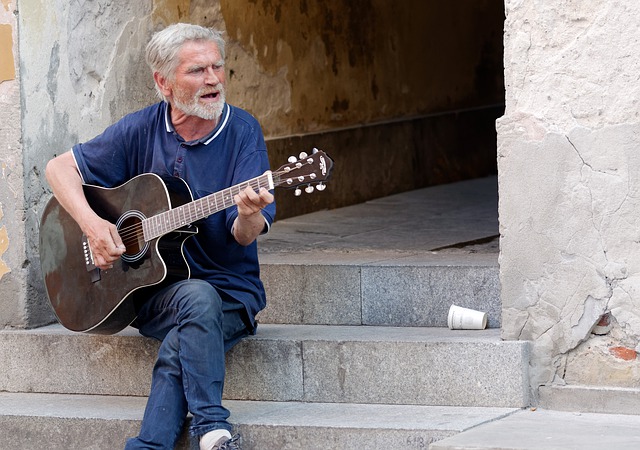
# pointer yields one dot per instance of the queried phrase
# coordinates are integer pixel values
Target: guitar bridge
(88, 256)
(88, 260)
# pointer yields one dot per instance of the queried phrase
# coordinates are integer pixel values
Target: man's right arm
(65, 181)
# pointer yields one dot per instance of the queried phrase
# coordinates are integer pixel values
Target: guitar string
(132, 233)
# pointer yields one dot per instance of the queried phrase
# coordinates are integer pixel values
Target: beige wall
(569, 188)
(316, 65)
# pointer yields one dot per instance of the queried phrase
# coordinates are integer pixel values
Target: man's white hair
(162, 50)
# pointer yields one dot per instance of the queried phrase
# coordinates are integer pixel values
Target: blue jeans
(196, 327)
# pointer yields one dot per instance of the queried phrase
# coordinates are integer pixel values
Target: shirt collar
(206, 140)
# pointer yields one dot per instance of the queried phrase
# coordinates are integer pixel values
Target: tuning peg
(308, 189)
(321, 187)
(292, 159)
(303, 155)
(315, 150)
(297, 192)
(312, 175)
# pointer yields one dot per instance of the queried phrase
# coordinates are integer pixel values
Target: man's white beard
(207, 111)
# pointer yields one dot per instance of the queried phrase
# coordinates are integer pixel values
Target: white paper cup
(466, 319)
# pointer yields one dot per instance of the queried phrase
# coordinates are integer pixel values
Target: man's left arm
(250, 222)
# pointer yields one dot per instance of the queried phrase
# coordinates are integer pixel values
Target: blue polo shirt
(145, 141)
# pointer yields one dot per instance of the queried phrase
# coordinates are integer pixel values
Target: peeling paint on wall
(170, 11)
(7, 64)
(6, 4)
(4, 245)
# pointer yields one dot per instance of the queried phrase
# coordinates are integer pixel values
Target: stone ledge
(289, 363)
(590, 399)
(102, 422)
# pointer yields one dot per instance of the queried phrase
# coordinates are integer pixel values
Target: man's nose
(211, 76)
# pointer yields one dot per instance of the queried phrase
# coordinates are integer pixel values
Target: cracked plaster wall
(569, 187)
(13, 273)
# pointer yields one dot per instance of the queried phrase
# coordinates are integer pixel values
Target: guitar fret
(181, 220)
(145, 229)
(189, 214)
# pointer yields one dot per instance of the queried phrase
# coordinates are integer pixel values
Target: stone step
(542, 429)
(378, 289)
(310, 363)
(84, 422)
(400, 260)
(590, 399)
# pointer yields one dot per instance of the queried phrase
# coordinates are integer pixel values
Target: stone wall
(568, 164)
(13, 268)
(308, 66)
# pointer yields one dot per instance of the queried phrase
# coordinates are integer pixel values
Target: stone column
(569, 183)
(13, 261)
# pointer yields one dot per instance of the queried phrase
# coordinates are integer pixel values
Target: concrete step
(378, 289)
(590, 399)
(546, 430)
(310, 363)
(82, 422)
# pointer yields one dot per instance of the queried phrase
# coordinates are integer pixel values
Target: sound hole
(130, 229)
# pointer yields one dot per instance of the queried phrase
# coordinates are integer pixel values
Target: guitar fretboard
(191, 212)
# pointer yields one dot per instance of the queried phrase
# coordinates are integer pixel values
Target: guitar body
(87, 299)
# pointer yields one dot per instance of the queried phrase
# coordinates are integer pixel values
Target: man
(193, 134)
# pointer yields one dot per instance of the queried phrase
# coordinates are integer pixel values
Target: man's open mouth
(210, 95)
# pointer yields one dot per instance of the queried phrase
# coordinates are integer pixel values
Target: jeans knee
(201, 299)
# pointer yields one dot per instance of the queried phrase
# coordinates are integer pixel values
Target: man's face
(198, 88)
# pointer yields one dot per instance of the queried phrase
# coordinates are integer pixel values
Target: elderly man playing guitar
(195, 135)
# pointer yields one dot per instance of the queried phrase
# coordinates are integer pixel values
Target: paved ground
(550, 430)
(459, 219)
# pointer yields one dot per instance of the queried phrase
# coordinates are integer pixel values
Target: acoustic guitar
(154, 217)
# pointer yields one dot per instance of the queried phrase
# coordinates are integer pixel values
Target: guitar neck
(191, 212)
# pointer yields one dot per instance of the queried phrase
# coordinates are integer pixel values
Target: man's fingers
(251, 202)
(266, 197)
(106, 245)
(261, 198)
(117, 241)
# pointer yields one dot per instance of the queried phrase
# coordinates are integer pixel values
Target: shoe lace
(232, 444)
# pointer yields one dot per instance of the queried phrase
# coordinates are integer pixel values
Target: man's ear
(163, 84)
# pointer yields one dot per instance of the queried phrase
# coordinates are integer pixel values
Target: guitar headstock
(311, 170)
